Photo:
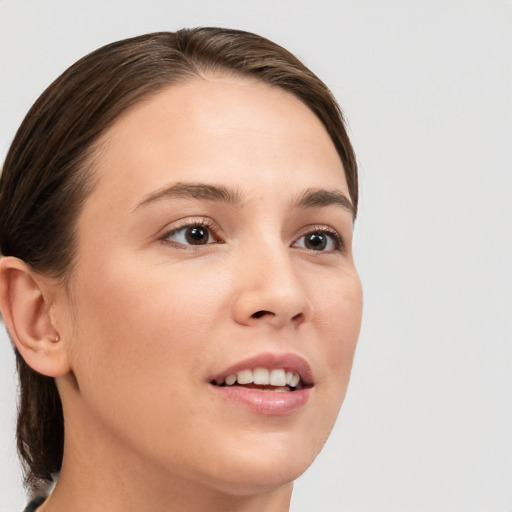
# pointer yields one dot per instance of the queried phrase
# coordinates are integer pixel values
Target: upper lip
(287, 361)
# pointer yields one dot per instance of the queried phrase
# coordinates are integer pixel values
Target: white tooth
(289, 378)
(219, 381)
(295, 380)
(282, 389)
(261, 376)
(230, 379)
(277, 377)
(244, 377)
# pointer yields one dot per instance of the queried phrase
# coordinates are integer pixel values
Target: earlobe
(25, 302)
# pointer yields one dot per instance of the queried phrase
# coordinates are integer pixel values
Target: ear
(26, 304)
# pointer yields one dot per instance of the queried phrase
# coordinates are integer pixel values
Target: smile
(275, 379)
(266, 384)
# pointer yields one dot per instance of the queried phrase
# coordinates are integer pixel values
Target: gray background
(426, 86)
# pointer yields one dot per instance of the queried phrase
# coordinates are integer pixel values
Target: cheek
(337, 320)
(140, 338)
(143, 322)
(339, 313)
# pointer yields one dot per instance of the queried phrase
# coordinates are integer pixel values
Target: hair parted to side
(47, 173)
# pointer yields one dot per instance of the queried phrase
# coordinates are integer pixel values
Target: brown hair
(46, 175)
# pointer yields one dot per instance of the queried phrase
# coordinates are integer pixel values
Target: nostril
(261, 313)
(298, 318)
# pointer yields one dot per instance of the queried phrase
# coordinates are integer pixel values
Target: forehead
(215, 130)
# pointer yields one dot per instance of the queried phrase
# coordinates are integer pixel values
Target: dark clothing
(32, 506)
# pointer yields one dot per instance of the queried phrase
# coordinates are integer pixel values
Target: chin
(252, 481)
(265, 465)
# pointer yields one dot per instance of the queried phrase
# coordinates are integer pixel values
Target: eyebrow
(316, 198)
(310, 198)
(216, 193)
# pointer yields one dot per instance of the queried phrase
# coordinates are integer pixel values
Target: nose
(269, 290)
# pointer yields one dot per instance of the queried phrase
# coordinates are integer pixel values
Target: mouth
(269, 384)
(263, 379)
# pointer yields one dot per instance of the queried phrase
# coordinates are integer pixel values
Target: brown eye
(315, 241)
(195, 234)
(319, 241)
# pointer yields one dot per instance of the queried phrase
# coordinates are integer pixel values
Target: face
(216, 246)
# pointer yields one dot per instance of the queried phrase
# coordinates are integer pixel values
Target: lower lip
(269, 403)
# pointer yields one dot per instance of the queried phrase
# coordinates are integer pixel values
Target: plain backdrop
(427, 90)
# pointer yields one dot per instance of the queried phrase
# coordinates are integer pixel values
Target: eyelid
(214, 229)
(336, 237)
(205, 222)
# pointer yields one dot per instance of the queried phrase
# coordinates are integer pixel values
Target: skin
(147, 319)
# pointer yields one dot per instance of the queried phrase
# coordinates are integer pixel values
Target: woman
(177, 277)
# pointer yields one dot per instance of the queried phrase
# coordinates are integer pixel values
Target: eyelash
(204, 223)
(210, 226)
(323, 230)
